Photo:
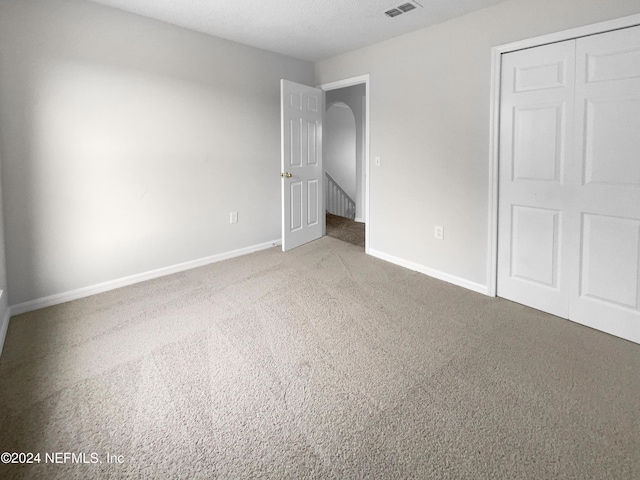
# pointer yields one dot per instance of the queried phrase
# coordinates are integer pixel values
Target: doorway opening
(345, 159)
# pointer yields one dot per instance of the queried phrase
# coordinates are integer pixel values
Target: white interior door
(536, 124)
(607, 194)
(569, 207)
(303, 216)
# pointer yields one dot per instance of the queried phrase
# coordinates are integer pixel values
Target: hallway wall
(354, 96)
(339, 154)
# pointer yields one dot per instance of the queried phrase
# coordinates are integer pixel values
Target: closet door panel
(607, 183)
(535, 146)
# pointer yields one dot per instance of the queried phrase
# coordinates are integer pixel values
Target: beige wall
(126, 142)
(430, 126)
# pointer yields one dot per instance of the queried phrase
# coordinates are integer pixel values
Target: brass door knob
(285, 175)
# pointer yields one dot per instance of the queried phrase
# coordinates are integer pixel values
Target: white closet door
(536, 128)
(606, 292)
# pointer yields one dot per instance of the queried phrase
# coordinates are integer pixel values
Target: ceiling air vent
(406, 7)
(403, 8)
(394, 12)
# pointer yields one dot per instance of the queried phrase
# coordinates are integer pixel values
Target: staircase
(338, 202)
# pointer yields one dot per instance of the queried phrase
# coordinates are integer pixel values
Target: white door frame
(348, 82)
(494, 121)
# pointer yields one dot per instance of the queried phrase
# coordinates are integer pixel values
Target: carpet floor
(345, 229)
(321, 363)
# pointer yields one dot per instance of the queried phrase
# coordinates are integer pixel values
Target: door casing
(348, 82)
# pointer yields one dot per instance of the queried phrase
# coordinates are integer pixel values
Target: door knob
(285, 175)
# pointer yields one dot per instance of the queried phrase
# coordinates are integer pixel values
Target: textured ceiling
(306, 29)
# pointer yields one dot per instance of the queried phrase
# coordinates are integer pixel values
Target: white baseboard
(4, 325)
(461, 282)
(130, 280)
(359, 220)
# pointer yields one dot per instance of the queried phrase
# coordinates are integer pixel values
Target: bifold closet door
(536, 126)
(606, 293)
(569, 197)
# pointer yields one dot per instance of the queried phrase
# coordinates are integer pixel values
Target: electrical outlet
(438, 232)
(233, 217)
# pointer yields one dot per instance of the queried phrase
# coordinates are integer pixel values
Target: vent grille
(407, 7)
(394, 12)
(400, 9)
